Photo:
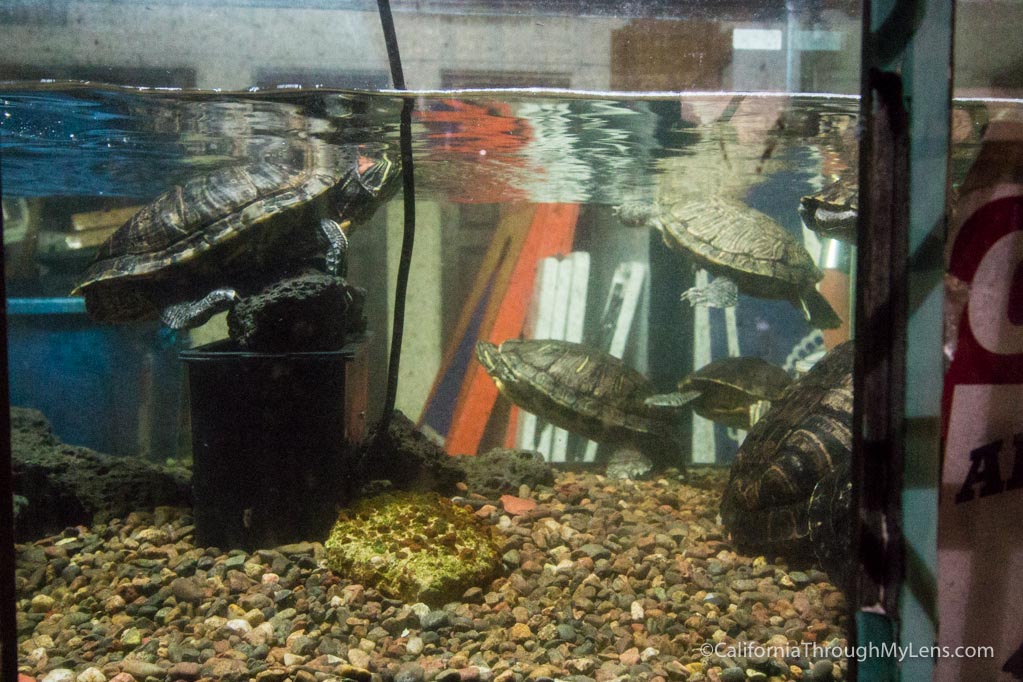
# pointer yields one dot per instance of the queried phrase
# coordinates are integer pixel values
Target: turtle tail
(817, 310)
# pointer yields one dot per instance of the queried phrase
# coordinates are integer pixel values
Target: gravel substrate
(605, 580)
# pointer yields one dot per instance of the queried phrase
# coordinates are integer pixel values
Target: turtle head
(635, 213)
(489, 356)
(373, 179)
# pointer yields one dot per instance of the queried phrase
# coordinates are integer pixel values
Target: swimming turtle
(734, 391)
(790, 489)
(582, 390)
(188, 253)
(743, 248)
(833, 211)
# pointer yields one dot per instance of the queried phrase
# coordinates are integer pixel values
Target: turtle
(789, 490)
(833, 211)
(734, 391)
(744, 249)
(193, 250)
(582, 390)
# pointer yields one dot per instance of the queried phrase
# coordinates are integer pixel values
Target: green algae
(414, 547)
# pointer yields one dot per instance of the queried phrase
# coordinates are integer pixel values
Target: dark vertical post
(905, 113)
(408, 238)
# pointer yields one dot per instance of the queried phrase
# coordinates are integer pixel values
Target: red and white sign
(980, 543)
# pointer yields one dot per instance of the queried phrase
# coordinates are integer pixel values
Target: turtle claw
(757, 410)
(337, 245)
(720, 293)
(191, 314)
(672, 400)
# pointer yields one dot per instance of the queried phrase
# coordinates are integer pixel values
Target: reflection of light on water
(539, 146)
(554, 149)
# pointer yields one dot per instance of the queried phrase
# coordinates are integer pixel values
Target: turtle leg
(720, 293)
(333, 233)
(628, 463)
(190, 314)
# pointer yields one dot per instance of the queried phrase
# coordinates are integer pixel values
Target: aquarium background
(532, 123)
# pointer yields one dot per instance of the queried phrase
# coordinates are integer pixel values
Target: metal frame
(906, 109)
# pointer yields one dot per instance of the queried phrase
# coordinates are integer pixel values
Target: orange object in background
(835, 288)
(496, 311)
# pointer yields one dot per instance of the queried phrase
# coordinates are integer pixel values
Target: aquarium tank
(509, 341)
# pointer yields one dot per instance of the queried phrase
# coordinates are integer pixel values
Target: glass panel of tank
(621, 437)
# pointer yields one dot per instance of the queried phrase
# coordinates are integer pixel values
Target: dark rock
(822, 671)
(501, 472)
(408, 459)
(435, 620)
(66, 485)
(311, 312)
(733, 675)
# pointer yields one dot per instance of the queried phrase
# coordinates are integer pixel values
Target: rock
(225, 669)
(41, 603)
(238, 626)
(311, 312)
(595, 551)
(410, 672)
(140, 669)
(381, 542)
(502, 472)
(520, 632)
(187, 590)
(821, 671)
(358, 658)
(408, 460)
(185, 670)
(59, 675)
(517, 505)
(414, 645)
(131, 638)
(71, 486)
(733, 674)
(91, 675)
(434, 620)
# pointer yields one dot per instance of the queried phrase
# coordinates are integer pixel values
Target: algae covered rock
(413, 546)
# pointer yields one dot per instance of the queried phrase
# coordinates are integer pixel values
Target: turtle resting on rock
(584, 391)
(790, 488)
(194, 249)
(743, 248)
(733, 391)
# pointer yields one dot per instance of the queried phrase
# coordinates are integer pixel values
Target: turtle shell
(242, 219)
(577, 388)
(732, 239)
(727, 387)
(833, 212)
(775, 495)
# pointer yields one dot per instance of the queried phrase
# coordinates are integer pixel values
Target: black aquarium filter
(270, 443)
